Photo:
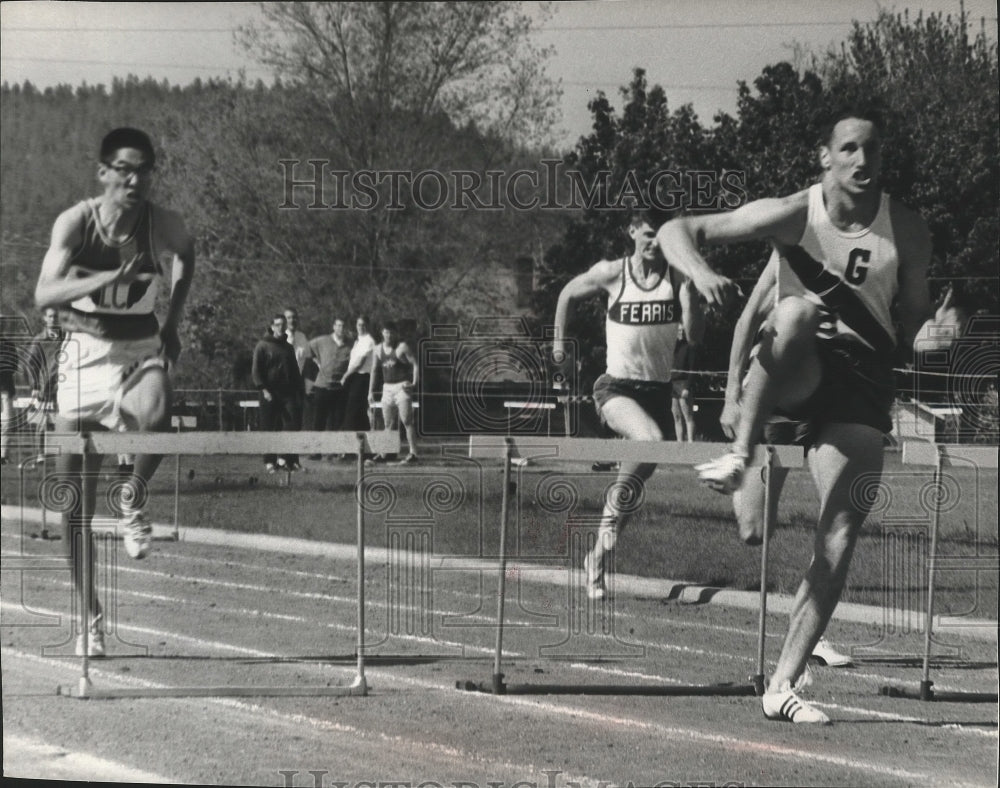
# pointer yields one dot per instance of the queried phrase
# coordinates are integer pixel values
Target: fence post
(220, 410)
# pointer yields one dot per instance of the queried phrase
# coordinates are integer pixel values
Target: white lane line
(30, 758)
(729, 743)
(619, 612)
(458, 756)
(352, 601)
(622, 614)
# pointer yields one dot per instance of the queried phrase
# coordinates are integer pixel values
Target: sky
(696, 49)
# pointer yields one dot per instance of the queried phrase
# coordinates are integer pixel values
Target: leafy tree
(388, 80)
(616, 165)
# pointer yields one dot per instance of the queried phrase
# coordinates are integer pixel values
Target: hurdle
(229, 443)
(940, 456)
(589, 450)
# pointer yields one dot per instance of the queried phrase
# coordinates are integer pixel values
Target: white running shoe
(825, 654)
(723, 474)
(594, 580)
(137, 534)
(789, 707)
(95, 640)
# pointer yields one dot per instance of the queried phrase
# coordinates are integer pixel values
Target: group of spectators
(38, 367)
(330, 382)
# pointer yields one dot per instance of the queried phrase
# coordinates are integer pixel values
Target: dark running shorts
(653, 397)
(857, 387)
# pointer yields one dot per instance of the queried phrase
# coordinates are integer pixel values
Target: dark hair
(843, 112)
(278, 316)
(390, 326)
(126, 137)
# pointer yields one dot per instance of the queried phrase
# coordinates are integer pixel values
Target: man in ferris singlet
(648, 301)
(102, 270)
(845, 253)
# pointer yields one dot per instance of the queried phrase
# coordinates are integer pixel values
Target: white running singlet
(641, 328)
(853, 276)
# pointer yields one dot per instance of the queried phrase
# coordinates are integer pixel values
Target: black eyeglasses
(126, 170)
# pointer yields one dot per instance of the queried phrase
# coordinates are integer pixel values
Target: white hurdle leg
(498, 685)
(925, 684)
(758, 678)
(359, 680)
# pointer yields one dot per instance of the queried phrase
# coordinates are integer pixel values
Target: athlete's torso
(854, 276)
(394, 368)
(641, 328)
(122, 310)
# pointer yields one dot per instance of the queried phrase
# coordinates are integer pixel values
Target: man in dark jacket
(41, 371)
(276, 375)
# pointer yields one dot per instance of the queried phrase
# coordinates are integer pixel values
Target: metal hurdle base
(84, 690)
(926, 692)
(589, 450)
(497, 687)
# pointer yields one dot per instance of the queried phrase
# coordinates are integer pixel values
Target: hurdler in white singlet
(641, 328)
(853, 275)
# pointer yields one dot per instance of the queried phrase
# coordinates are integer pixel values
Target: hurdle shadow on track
(588, 450)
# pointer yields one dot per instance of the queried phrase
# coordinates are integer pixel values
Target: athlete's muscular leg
(844, 455)
(748, 503)
(80, 475)
(406, 416)
(785, 372)
(145, 407)
(628, 419)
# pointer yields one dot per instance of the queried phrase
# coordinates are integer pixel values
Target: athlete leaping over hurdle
(102, 271)
(846, 252)
(648, 301)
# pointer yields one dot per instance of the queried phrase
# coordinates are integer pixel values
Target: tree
(388, 79)
(618, 162)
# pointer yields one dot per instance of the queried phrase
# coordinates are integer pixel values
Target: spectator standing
(332, 354)
(276, 375)
(357, 378)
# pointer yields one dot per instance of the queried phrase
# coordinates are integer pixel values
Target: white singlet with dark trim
(641, 328)
(852, 275)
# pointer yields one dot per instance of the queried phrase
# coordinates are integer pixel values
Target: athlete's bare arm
(755, 312)
(692, 313)
(923, 328)
(405, 351)
(600, 278)
(780, 220)
(172, 237)
(60, 282)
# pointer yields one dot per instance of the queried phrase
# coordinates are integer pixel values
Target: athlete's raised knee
(795, 315)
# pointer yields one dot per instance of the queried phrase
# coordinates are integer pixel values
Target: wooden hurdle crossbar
(596, 449)
(228, 443)
(939, 456)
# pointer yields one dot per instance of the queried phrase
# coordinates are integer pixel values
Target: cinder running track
(198, 614)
